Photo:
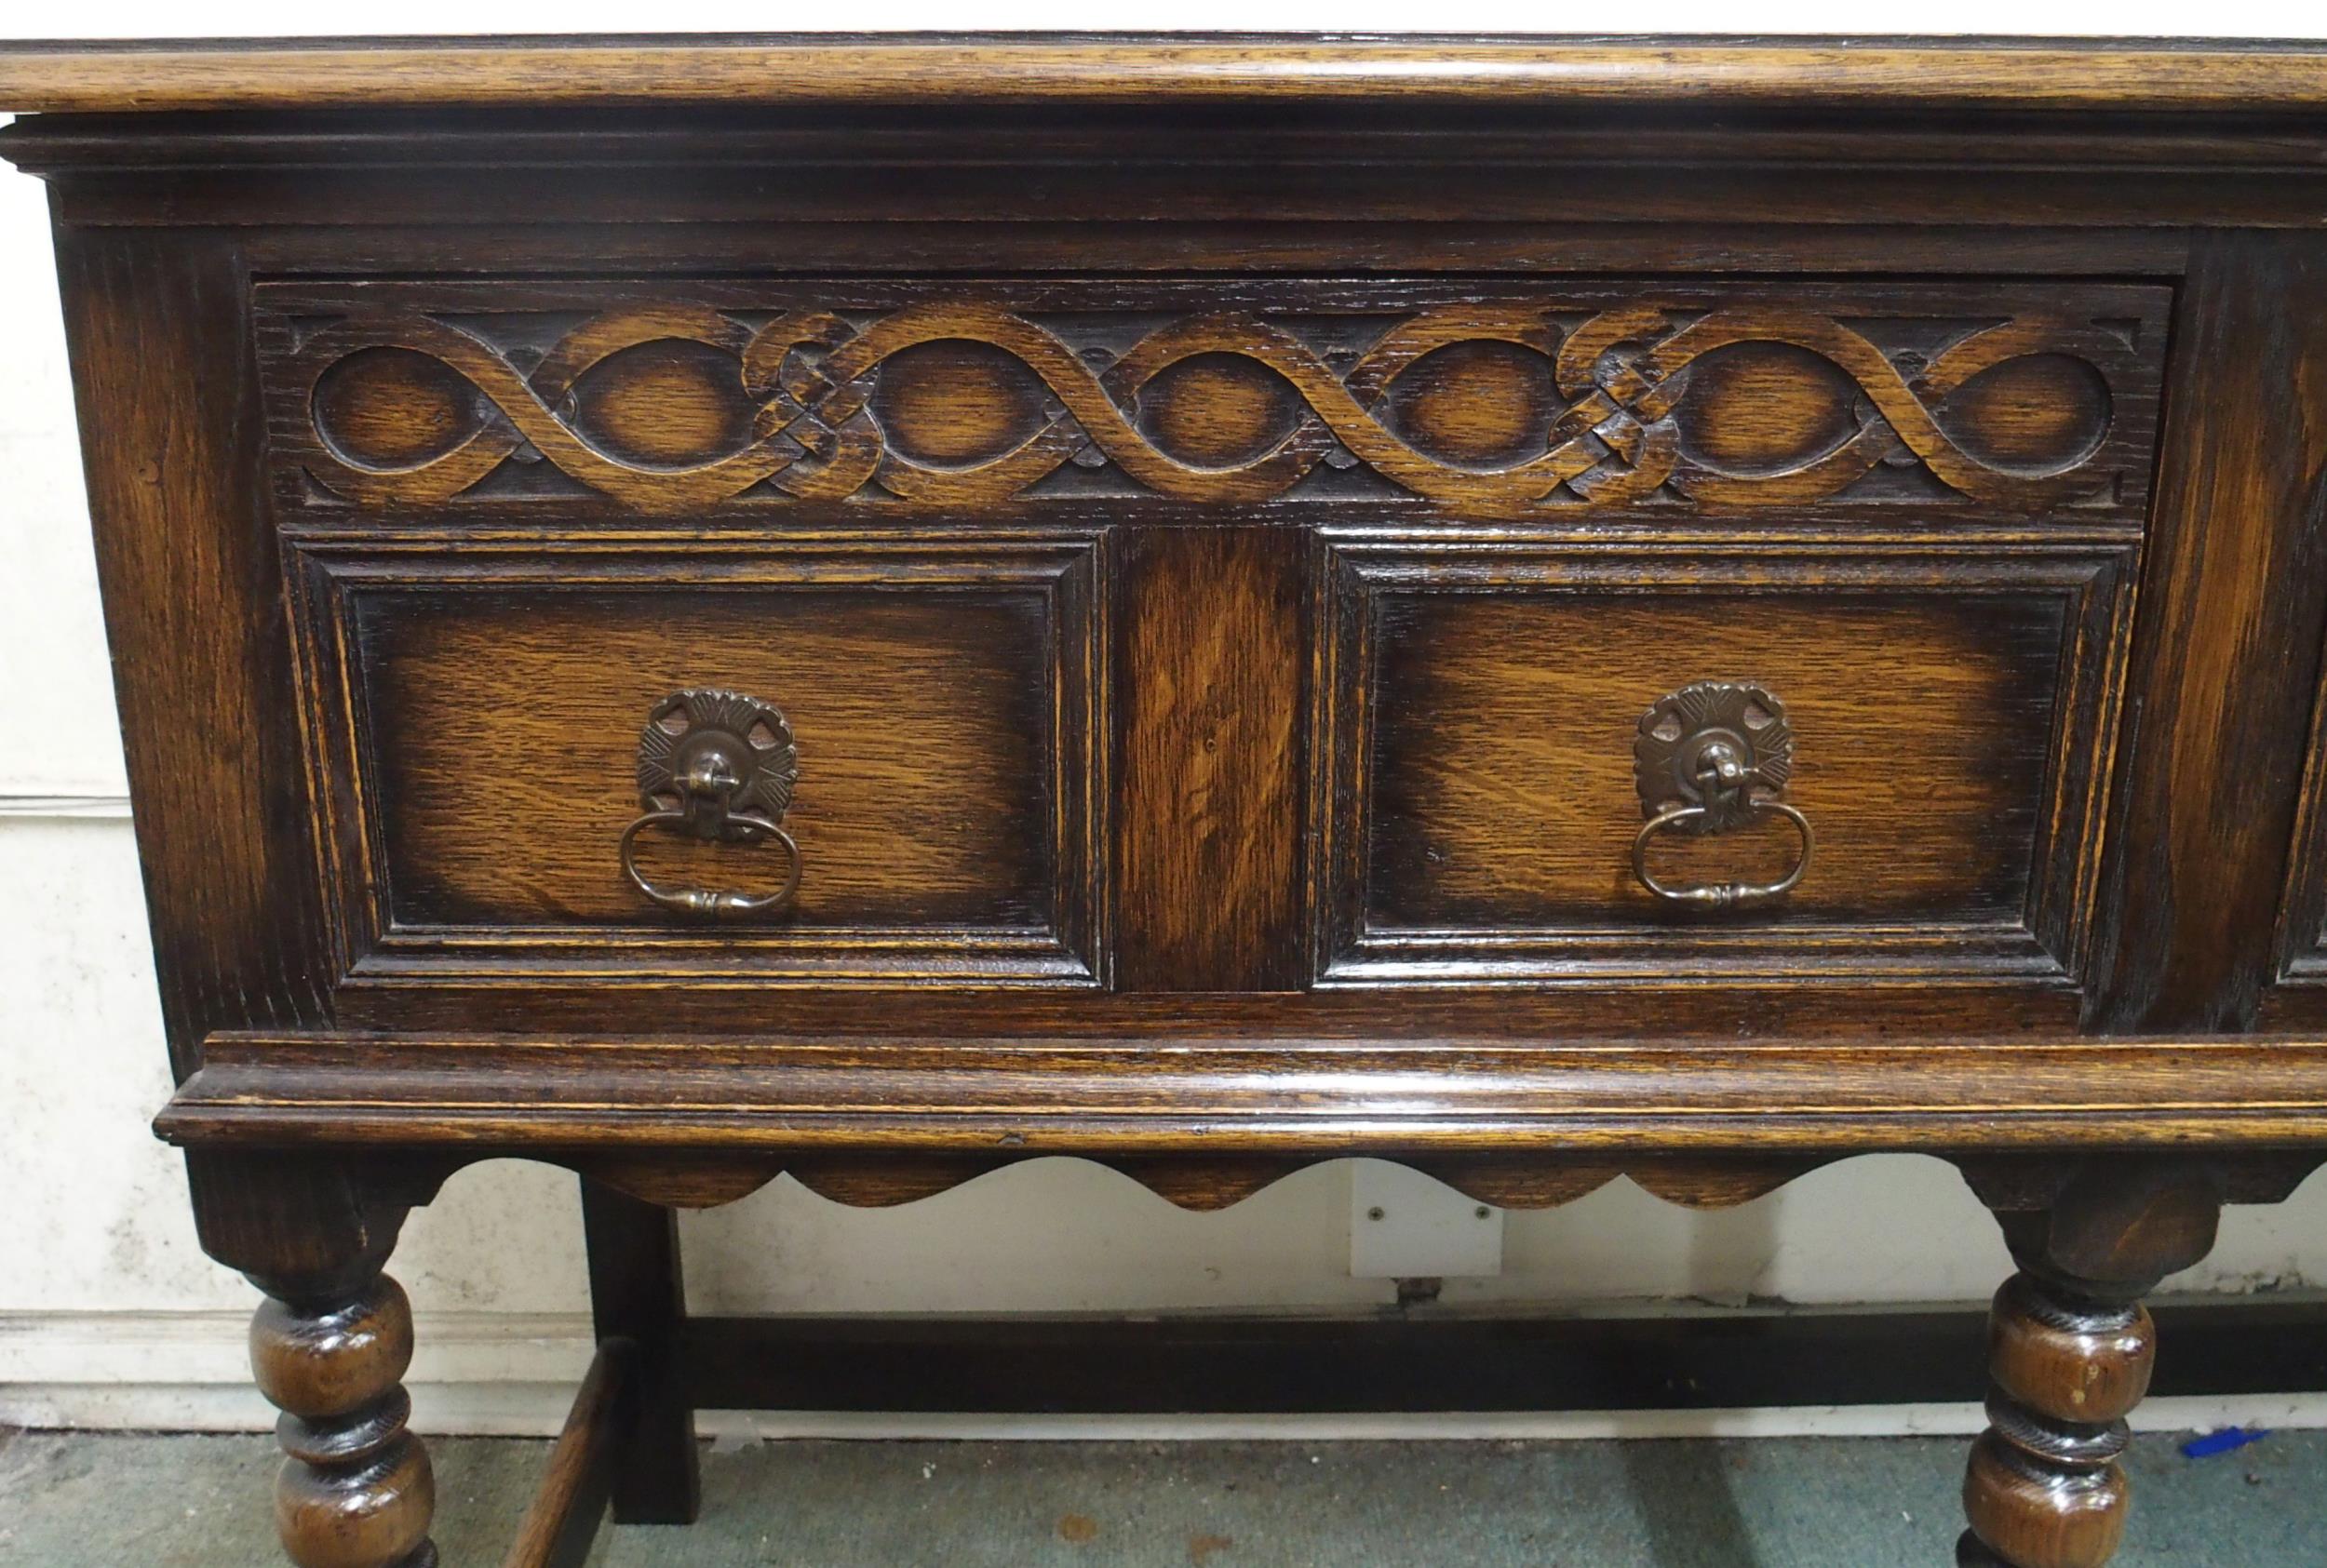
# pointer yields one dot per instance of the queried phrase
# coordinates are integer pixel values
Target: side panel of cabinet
(2225, 663)
(187, 558)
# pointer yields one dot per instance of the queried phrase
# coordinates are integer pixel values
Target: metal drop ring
(712, 902)
(1722, 895)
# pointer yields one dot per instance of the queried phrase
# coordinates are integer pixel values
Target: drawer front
(1488, 777)
(1479, 398)
(482, 741)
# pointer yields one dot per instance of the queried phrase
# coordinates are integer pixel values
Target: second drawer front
(1941, 726)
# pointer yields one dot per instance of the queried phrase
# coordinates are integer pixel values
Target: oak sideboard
(876, 607)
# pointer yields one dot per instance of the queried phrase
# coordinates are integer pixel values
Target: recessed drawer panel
(908, 729)
(1916, 746)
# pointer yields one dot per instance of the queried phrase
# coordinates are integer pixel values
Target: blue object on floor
(2228, 1441)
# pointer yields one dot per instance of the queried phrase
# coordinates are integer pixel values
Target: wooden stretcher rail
(564, 1517)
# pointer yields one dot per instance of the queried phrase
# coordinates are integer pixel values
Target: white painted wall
(105, 1299)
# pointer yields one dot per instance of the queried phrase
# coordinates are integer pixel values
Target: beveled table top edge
(2211, 76)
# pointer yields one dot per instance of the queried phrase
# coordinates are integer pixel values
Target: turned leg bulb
(356, 1490)
(2045, 1489)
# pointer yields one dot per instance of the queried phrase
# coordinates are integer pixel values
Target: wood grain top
(2148, 76)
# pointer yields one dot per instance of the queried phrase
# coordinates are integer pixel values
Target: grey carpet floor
(69, 1500)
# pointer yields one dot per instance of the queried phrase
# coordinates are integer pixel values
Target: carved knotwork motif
(1502, 409)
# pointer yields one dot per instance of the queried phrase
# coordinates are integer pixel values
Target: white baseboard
(500, 1374)
(491, 1373)
(205, 1347)
(65, 808)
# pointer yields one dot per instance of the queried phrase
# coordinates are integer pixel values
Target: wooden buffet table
(878, 608)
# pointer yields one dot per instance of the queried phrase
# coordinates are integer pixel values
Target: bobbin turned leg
(2070, 1349)
(356, 1490)
(328, 1347)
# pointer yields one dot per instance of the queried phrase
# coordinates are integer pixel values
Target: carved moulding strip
(1503, 403)
(705, 1121)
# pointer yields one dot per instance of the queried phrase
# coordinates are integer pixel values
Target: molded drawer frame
(2047, 946)
(372, 945)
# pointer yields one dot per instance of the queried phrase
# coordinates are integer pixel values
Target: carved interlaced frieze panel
(1505, 404)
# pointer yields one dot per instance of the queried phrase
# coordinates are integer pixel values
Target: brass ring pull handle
(719, 906)
(1722, 895)
(1710, 757)
(719, 766)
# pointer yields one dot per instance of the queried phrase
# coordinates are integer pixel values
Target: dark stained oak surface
(2228, 651)
(480, 725)
(1299, 1098)
(1951, 714)
(1212, 889)
(924, 787)
(151, 318)
(1215, 512)
(1924, 739)
(1255, 614)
